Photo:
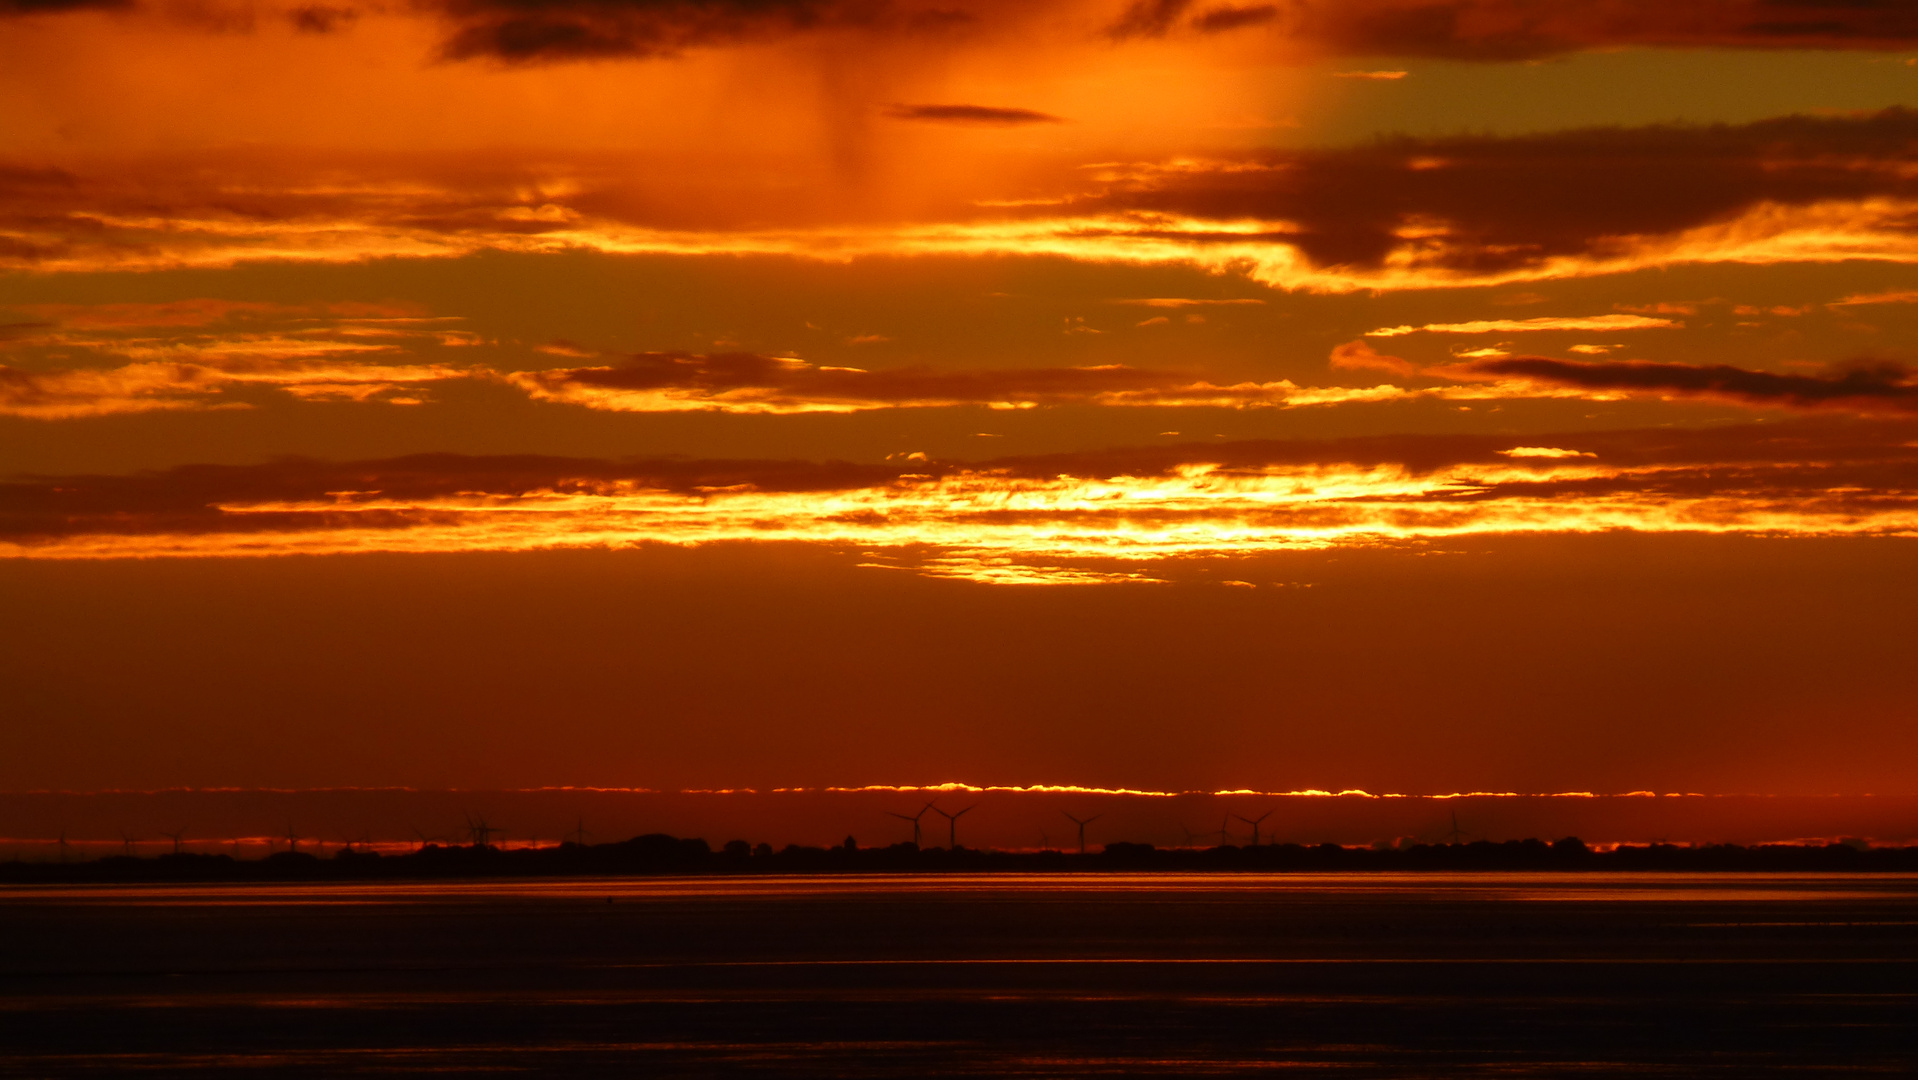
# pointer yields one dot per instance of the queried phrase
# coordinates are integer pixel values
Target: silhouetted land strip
(658, 854)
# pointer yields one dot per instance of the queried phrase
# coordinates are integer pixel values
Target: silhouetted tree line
(661, 854)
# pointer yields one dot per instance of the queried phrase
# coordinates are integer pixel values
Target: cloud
(204, 311)
(321, 19)
(984, 115)
(754, 384)
(78, 393)
(1893, 296)
(22, 330)
(1868, 387)
(50, 7)
(1185, 302)
(207, 353)
(1662, 307)
(1221, 19)
(1148, 18)
(1360, 356)
(543, 31)
(520, 31)
(1545, 452)
(1377, 76)
(750, 383)
(194, 354)
(1497, 209)
(1504, 326)
(1080, 517)
(1528, 29)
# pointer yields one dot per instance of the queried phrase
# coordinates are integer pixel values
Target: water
(1362, 976)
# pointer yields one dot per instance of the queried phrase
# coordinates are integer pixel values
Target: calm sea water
(1372, 976)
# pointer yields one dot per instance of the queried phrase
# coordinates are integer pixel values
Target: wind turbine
(1457, 833)
(1254, 822)
(1225, 834)
(292, 838)
(481, 831)
(175, 836)
(914, 818)
(127, 839)
(1082, 828)
(579, 832)
(952, 823)
(63, 845)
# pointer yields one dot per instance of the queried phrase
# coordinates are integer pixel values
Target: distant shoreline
(658, 854)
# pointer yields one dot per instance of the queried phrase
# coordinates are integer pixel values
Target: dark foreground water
(1373, 976)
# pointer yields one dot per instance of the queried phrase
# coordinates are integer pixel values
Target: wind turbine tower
(952, 823)
(1082, 828)
(914, 818)
(1254, 822)
(481, 832)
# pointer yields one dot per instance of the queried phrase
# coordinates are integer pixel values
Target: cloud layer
(749, 383)
(208, 354)
(528, 31)
(1866, 387)
(1069, 518)
(1400, 214)
(194, 354)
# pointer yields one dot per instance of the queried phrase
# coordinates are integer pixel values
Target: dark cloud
(1527, 29)
(970, 114)
(1221, 19)
(320, 19)
(22, 330)
(39, 7)
(1149, 18)
(1879, 386)
(518, 31)
(1505, 203)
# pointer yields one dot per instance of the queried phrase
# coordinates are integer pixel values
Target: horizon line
(945, 787)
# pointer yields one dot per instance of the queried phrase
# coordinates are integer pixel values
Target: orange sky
(1480, 395)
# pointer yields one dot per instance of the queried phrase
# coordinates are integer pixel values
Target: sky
(1410, 396)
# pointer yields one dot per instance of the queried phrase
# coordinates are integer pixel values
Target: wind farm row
(251, 824)
(479, 832)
